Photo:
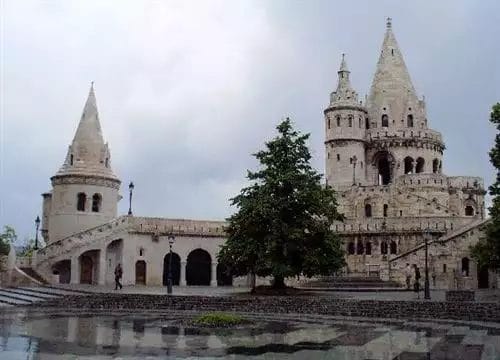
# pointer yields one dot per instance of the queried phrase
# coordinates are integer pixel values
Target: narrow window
(141, 252)
(368, 248)
(81, 199)
(329, 123)
(368, 210)
(420, 165)
(350, 161)
(469, 210)
(350, 248)
(338, 157)
(338, 120)
(400, 212)
(409, 120)
(444, 268)
(361, 164)
(360, 248)
(360, 122)
(383, 248)
(367, 123)
(465, 266)
(394, 247)
(392, 52)
(107, 162)
(350, 120)
(71, 159)
(96, 203)
(385, 120)
(408, 164)
(328, 155)
(435, 166)
(386, 207)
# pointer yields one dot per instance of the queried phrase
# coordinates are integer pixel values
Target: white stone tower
(85, 189)
(345, 128)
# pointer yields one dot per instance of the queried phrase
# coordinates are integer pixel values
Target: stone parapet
(162, 226)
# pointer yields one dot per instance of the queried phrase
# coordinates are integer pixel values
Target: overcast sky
(187, 90)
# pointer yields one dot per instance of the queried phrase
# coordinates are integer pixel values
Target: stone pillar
(101, 280)
(182, 280)
(213, 275)
(75, 270)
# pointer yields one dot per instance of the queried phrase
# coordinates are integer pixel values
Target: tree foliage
(487, 251)
(7, 237)
(282, 227)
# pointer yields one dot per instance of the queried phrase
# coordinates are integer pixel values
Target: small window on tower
(392, 52)
(367, 123)
(81, 199)
(338, 120)
(385, 120)
(71, 159)
(350, 120)
(106, 162)
(360, 122)
(409, 120)
(96, 203)
(338, 157)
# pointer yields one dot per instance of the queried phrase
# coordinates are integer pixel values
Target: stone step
(6, 293)
(34, 274)
(49, 290)
(31, 293)
(10, 301)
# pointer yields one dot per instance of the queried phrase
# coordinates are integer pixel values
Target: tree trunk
(279, 282)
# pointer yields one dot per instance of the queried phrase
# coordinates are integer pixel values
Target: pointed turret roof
(88, 154)
(392, 83)
(344, 94)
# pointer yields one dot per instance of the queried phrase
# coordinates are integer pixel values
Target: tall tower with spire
(345, 128)
(85, 189)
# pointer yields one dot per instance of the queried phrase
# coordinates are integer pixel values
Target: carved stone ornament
(85, 180)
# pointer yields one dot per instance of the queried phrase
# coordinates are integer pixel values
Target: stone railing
(421, 134)
(161, 226)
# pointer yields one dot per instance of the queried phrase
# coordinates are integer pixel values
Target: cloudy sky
(187, 90)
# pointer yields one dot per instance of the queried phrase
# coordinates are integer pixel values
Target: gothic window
(408, 165)
(338, 120)
(360, 248)
(360, 122)
(409, 120)
(383, 248)
(368, 248)
(394, 247)
(96, 203)
(367, 123)
(329, 123)
(420, 165)
(368, 210)
(386, 208)
(81, 199)
(385, 120)
(71, 159)
(350, 120)
(435, 166)
(338, 157)
(465, 266)
(384, 168)
(469, 210)
(141, 252)
(350, 248)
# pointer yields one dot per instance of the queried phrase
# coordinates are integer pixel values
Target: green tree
(487, 251)
(282, 227)
(7, 237)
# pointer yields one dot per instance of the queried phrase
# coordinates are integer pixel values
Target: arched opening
(88, 267)
(96, 203)
(386, 209)
(469, 210)
(338, 120)
(420, 165)
(224, 277)
(63, 269)
(360, 248)
(394, 247)
(368, 210)
(114, 252)
(435, 166)
(350, 248)
(367, 123)
(329, 123)
(368, 248)
(349, 120)
(81, 198)
(465, 266)
(140, 272)
(383, 248)
(409, 120)
(385, 120)
(176, 268)
(360, 122)
(384, 171)
(198, 268)
(408, 163)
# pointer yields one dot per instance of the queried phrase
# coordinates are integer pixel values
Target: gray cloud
(188, 90)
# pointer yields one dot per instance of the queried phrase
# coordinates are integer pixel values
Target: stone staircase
(27, 295)
(351, 284)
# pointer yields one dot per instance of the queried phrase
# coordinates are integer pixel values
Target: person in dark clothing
(118, 276)
(416, 285)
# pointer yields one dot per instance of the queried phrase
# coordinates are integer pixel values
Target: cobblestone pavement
(79, 334)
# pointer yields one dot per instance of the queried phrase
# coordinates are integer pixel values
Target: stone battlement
(177, 226)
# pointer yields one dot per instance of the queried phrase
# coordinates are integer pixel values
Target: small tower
(345, 128)
(85, 189)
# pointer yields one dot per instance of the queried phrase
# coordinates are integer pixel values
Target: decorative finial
(389, 23)
(92, 84)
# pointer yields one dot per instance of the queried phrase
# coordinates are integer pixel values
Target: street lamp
(37, 224)
(171, 240)
(427, 292)
(130, 189)
(354, 161)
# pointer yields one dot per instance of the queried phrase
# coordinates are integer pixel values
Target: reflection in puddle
(97, 336)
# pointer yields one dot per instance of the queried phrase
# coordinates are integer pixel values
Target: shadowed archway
(198, 268)
(176, 268)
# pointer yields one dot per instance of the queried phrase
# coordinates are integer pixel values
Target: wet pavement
(78, 334)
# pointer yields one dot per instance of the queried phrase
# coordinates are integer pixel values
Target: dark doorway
(176, 268)
(140, 272)
(86, 267)
(384, 162)
(224, 277)
(63, 269)
(483, 278)
(198, 268)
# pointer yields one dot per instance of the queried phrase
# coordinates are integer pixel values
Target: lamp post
(354, 161)
(427, 292)
(130, 189)
(37, 224)
(171, 240)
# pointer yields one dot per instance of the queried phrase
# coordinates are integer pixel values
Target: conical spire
(344, 93)
(88, 154)
(392, 87)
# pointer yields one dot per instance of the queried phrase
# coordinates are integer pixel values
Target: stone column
(182, 281)
(75, 270)
(101, 280)
(213, 275)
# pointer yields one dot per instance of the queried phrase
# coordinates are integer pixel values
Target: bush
(219, 320)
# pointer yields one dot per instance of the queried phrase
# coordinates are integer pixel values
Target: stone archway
(63, 269)
(198, 268)
(383, 161)
(176, 268)
(140, 272)
(86, 269)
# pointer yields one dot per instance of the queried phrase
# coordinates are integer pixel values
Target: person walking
(408, 274)
(118, 277)
(416, 285)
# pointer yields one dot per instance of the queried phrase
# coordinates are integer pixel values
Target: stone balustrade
(177, 226)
